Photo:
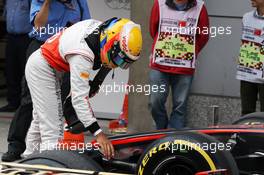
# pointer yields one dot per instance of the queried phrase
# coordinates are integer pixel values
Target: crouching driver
(78, 49)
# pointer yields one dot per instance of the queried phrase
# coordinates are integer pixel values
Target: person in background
(18, 26)
(47, 17)
(251, 59)
(176, 45)
(3, 22)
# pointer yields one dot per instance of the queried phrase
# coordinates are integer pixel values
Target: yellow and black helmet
(120, 43)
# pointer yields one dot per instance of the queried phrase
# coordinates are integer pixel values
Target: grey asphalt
(4, 125)
(5, 119)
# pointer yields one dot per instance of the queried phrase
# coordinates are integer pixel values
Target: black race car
(219, 150)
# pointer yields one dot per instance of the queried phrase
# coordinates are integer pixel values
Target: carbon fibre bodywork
(246, 146)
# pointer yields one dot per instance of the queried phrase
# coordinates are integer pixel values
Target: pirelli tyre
(186, 153)
(256, 118)
(63, 159)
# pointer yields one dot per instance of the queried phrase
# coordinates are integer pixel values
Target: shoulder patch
(84, 75)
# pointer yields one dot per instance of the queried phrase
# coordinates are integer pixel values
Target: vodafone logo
(182, 23)
(124, 44)
(257, 32)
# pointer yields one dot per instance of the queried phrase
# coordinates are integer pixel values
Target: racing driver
(78, 49)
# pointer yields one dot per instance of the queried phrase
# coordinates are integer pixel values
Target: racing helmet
(120, 43)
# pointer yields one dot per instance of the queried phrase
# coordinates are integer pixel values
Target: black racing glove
(75, 126)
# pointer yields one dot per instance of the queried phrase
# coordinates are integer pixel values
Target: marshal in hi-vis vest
(251, 57)
(175, 46)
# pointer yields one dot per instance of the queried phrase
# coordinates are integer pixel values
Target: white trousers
(47, 125)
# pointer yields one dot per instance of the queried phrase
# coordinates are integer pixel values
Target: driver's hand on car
(106, 145)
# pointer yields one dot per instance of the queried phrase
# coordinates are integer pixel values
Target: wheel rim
(175, 166)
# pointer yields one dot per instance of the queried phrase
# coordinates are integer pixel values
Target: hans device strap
(93, 42)
(98, 80)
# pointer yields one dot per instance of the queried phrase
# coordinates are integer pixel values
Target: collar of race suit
(256, 14)
(93, 41)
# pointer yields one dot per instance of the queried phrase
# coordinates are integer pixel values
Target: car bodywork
(246, 143)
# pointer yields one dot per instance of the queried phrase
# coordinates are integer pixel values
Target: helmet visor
(119, 58)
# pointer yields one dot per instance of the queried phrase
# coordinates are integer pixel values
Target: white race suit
(65, 51)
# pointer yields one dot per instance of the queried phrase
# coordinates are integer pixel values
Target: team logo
(118, 4)
(182, 23)
(124, 44)
(84, 75)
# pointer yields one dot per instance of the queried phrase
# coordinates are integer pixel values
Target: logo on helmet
(124, 44)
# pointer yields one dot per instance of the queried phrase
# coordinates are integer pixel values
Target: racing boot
(10, 156)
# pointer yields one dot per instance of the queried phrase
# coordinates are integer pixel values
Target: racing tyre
(63, 159)
(256, 118)
(186, 153)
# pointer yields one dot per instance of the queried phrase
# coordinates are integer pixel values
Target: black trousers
(16, 49)
(23, 116)
(249, 95)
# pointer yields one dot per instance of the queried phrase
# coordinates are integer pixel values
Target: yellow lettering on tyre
(163, 146)
(145, 160)
(140, 171)
(152, 151)
(166, 145)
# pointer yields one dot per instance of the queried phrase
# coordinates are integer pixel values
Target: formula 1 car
(219, 150)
